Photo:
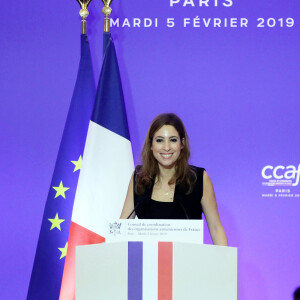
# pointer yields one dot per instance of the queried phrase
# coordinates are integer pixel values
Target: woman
(165, 186)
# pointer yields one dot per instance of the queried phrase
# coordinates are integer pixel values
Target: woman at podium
(165, 186)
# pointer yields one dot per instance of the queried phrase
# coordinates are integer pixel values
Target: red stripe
(78, 236)
(165, 270)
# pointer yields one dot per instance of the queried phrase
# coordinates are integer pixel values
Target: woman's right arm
(129, 202)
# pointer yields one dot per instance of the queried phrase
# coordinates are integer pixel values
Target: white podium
(156, 271)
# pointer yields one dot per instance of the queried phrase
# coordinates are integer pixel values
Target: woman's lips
(166, 155)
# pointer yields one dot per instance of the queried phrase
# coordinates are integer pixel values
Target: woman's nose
(167, 145)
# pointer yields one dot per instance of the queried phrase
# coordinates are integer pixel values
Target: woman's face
(166, 146)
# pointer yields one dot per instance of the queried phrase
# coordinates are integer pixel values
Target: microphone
(138, 205)
(182, 207)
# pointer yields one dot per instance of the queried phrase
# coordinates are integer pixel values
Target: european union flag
(52, 245)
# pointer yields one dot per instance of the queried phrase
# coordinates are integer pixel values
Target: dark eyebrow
(162, 137)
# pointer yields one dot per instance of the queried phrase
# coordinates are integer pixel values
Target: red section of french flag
(165, 271)
(78, 236)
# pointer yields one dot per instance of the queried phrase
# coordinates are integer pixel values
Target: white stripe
(150, 270)
(104, 176)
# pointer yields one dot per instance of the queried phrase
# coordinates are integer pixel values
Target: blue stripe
(135, 270)
(109, 110)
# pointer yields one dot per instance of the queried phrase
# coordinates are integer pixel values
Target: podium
(155, 271)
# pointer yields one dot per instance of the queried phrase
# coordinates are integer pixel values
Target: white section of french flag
(104, 177)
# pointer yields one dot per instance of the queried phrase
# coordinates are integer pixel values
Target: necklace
(169, 194)
(163, 192)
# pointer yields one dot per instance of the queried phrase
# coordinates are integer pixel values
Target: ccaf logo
(281, 175)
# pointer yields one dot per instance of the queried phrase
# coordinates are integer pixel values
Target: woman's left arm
(210, 209)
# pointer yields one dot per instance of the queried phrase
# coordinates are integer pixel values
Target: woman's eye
(159, 140)
(174, 140)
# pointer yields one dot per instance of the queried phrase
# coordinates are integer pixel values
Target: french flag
(106, 168)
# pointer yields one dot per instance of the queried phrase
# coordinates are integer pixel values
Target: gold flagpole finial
(106, 11)
(83, 13)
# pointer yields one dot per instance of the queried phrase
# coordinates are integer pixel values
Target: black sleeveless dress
(183, 206)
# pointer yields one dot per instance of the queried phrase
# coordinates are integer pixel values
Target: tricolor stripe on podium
(148, 261)
(106, 168)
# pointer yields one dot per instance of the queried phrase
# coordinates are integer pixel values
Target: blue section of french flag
(109, 110)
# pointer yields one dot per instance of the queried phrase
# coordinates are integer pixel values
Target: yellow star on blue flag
(60, 190)
(77, 163)
(56, 222)
(63, 251)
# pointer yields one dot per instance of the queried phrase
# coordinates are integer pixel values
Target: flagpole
(83, 13)
(106, 11)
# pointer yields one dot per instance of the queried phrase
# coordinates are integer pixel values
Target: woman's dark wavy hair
(184, 176)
